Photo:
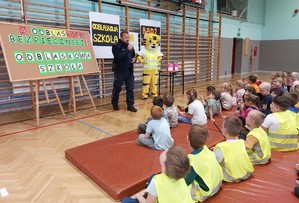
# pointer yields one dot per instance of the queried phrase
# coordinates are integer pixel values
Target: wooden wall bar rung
(10, 8)
(44, 5)
(185, 37)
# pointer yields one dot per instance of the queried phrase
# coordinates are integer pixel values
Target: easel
(73, 94)
(35, 89)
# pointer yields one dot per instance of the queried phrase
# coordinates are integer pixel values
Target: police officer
(124, 57)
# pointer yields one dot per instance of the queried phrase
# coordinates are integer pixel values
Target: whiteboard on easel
(33, 52)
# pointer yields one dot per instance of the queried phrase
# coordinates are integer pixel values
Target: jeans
(131, 200)
(183, 119)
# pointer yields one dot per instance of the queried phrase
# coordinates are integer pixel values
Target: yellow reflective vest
(206, 166)
(286, 138)
(261, 152)
(151, 60)
(236, 163)
(171, 191)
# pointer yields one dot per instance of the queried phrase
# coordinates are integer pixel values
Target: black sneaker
(132, 108)
(115, 107)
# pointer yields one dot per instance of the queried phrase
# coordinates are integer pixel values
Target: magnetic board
(33, 52)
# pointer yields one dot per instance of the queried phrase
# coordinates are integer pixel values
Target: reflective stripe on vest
(236, 164)
(261, 152)
(151, 60)
(286, 137)
(206, 166)
(180, 192)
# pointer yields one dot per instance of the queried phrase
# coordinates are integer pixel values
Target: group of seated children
(270, 116)
(198, 176)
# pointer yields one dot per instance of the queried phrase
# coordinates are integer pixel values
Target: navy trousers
(119, 79)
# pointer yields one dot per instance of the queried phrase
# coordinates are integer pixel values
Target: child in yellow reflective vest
(231, 154)
(205, 176)
(282, 126)
(257, 142)
(169, 186)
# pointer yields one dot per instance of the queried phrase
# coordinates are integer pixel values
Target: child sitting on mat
(213, 105)
(205, 176)
(227, 99)
(257, 142)
(282, 126)
(292, 98)
(251, 102)
(252, 81)
(196, 113)
(168, 186)
(157, 135)
(265, 88)
(170, 110)
(158, 101)
(231, 154)
(239, 91)
(277, 86)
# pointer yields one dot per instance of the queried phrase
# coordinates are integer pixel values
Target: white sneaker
(297, 167)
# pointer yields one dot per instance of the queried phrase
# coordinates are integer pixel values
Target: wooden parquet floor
(32, 163)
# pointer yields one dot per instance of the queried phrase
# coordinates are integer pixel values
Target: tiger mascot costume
(150, 58)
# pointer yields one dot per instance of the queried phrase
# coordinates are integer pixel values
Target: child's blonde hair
(227, 87)
(241, 83)
(257, 116)
(295, 76)
(280, 80)
(265, 86)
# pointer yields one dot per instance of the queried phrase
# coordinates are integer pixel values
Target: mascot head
(151, 41)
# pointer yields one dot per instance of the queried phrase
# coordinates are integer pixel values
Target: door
(237, 55)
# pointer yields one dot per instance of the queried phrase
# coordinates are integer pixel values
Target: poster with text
(33, 52)
(149, 26)
(134, 40)
(104, 29)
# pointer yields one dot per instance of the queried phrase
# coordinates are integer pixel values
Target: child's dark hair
(253, 98)
(168, 100)
(158, 101)
(197, 136)
(217, 94)
(282, 102)
(192, 95)
(177, 163)
(156, 112)
(250, 89)
(210, 88)
(292, 97)
(252, 78)
(233, 125)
